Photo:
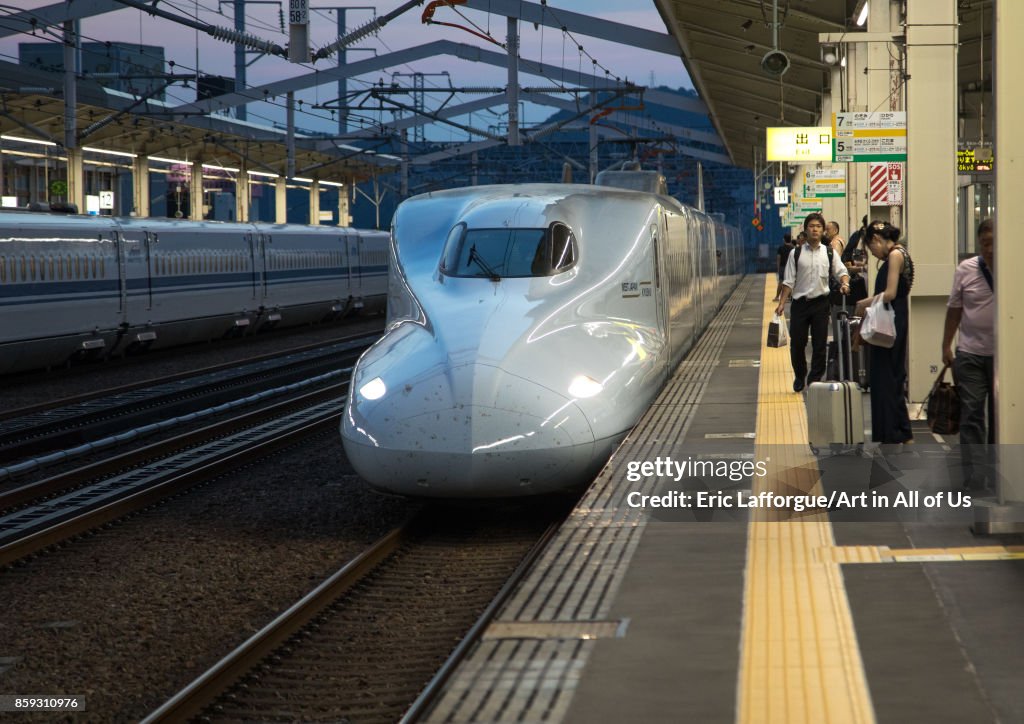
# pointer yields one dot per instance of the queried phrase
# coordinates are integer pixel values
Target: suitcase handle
(846, 356)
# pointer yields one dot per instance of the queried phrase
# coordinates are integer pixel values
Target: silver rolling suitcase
(835, 411)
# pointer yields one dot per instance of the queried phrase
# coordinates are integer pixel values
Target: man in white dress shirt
(806, 279)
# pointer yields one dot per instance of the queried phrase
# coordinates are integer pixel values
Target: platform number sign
(298, 12)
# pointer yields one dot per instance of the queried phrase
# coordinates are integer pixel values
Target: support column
(290, 135)
(76, 179)
(195, 192)
(700, 187)
(140, 187)
(280, 200)
(314, 203)
(403, 145)
(76, 175)
(343, 213)
(592, 144)
(242, 192)
(512, 45)
(240, 113)
(1009, 257)
(931, 174)
(342, 80)
(834, 209)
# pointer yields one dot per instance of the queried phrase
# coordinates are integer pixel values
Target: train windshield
(498, 253)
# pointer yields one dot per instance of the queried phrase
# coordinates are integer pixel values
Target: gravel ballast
(128, 616)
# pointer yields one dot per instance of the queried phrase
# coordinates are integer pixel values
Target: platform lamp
(860, 13)
(775, 62)
(830, 54)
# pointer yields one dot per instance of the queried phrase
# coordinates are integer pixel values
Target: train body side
(74, 285)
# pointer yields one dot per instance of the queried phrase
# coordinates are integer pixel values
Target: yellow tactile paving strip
(884, 554)
(799, 660)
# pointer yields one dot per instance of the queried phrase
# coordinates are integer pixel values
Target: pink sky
(180, 45)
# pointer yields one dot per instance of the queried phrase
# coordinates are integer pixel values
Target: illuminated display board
(799, 143)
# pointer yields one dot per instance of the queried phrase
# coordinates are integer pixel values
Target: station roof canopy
(32, 105)
(723, 44)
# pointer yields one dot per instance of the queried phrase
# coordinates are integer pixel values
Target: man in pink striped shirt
(971, 310)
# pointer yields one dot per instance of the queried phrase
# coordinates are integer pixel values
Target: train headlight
(373, 390)
(584, 386)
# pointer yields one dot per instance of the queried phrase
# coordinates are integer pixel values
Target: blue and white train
(529, 328)
(83, 285)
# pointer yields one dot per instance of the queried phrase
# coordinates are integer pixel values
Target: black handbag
(943, 406)
(858, 291)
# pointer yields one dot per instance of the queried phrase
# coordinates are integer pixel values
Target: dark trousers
(974, 377)
(808, 315)
(974, 380)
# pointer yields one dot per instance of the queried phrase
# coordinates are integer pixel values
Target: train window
(103, 268)
(3, 270)
(497, 253)
(563, 248)
(24, 269)
(32, 267)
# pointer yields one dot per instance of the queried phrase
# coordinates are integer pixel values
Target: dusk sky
(546, 44)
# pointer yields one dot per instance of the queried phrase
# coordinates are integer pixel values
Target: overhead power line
(220, 33)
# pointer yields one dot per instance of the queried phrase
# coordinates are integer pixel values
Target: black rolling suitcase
(840, 351)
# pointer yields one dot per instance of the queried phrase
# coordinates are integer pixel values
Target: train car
(74, 286)
(529, 328)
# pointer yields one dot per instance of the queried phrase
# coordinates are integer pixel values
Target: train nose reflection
(472, 429)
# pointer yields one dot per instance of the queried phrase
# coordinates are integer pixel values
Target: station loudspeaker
(775, 62)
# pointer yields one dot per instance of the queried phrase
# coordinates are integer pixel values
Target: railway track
(50, 511)
(379, 637)
(71, 423)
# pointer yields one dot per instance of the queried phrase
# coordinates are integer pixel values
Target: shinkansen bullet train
(73, 286)
(529, 328)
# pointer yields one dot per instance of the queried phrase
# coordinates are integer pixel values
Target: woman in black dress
(890, 422)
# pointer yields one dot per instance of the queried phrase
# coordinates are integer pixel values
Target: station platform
(664, 609)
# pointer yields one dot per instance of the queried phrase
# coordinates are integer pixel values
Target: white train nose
(472, 430)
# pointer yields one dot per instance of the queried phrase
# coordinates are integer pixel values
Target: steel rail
(70, 429)
(436, 685)
(133, 502)
(191, 700)
(72, 478)
(111, 391)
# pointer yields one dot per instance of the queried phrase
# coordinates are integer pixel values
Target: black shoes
(798, 385)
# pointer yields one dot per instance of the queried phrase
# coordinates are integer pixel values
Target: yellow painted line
(799, 658)
(884, 554)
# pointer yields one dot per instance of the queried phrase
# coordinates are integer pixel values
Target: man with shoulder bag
(971, 311)
(806, 277)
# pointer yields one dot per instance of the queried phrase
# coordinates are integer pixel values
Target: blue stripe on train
(61, 291)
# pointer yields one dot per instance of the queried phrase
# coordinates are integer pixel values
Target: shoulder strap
(847, 254)
(796, 258)
(984, 270)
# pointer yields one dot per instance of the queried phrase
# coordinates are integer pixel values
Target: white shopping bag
(879, 324)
